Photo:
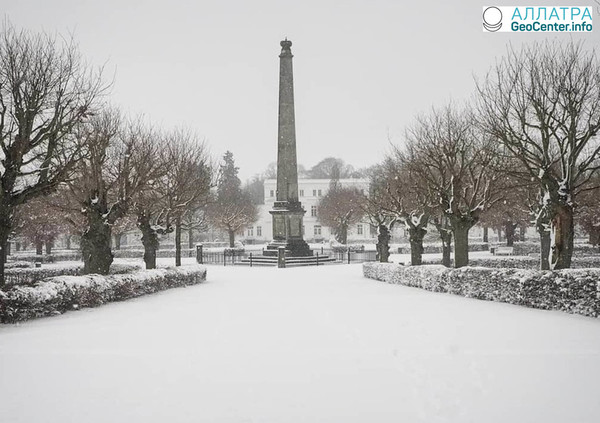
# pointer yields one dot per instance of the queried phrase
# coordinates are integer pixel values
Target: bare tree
(121, 159)
(187, 180)
(39, 225)
(543, 103)
(45, 91)
(375, 208)
(454, 161)
(340, 208)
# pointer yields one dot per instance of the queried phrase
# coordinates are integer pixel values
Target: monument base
(293, 248)
(287, 230)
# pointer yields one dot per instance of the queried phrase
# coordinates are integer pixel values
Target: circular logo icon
(492, 19)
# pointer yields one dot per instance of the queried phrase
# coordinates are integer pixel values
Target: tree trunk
(39, 248)
(383, 243)
(177, 242)
(509, 230)
(446, 237)
(5, 229)
(499, 230)
(49, 245)
(18, 246)
(544, 249)
(561, 233)
(95, 245)
(461, 244)
(343, 234)
(231, 238)
(149, 241)
(416, 235)
(522, 230)
(3, 241)
(117, 242)
(485, 234)
(68, 242)
(190, 232)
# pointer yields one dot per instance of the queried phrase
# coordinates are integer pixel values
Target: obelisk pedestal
(287, 211)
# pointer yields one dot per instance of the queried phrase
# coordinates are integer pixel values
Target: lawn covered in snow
(301, 345)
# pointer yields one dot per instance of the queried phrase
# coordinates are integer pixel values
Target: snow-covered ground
(301, 345)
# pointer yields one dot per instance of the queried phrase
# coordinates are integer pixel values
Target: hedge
(72, 255)
(437, 248)
(31, 275)
(57, 295)
(569, 290)
(526, 248)
(522, 262)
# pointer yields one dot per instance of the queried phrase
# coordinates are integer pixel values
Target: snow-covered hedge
(526, 248)
(139, 253)
(571, 290)
(30, 275)
(523, 262)
(437, 248)
(73, 255)
(59, 294)
(18, 264)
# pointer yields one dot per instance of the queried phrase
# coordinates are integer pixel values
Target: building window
(314, 192)
(319, 192)
(259, 231)
(301, 193)
(251, 231)
(272, 193)
(313, 211)
(359, 229)
(317, 229)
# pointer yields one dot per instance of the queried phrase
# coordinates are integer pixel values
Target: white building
(310, 192)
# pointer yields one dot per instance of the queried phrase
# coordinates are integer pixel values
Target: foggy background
(362, 69)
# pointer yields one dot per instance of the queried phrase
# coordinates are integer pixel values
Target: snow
(300, 345)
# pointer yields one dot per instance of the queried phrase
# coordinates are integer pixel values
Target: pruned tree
(39, 225)
(45, 91)
(187, 181)
(542, 103)
(407, 202)
(120, 161)
(232, 208)
(331, 168)
(375, 208)
(340, 208)
(454, 161)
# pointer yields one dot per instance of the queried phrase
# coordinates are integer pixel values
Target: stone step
(289, 261)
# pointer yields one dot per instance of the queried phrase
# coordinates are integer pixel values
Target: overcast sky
(362, 69)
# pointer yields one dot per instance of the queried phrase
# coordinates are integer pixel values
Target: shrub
(31, 275)
(48, 258)
(59, 294)
(437, 248)
(570, 290)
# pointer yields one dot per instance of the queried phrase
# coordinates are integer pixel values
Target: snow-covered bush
(161, 253)
(30, 275)
(17, 264)
(48, 258)
(436, 248)
(570, 290)
(523, 262)
(526, 248)
(342, 248)
(62, 293)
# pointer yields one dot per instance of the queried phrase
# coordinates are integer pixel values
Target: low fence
(231, 257)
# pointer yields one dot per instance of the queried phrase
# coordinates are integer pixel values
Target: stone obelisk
(287, 211)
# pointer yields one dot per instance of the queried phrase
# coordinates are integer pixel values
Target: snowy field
(301, 345)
